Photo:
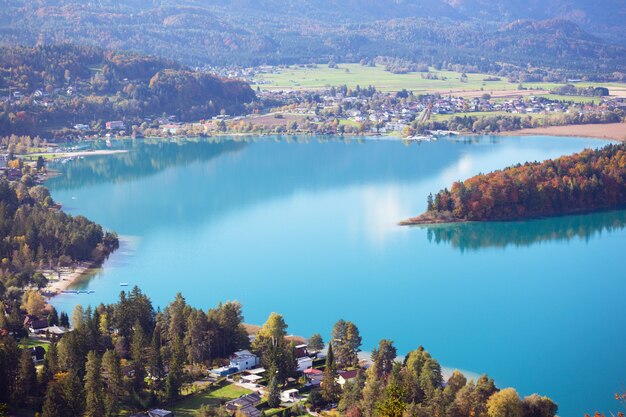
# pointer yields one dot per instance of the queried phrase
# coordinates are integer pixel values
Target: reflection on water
(144, 157)
(479, 235)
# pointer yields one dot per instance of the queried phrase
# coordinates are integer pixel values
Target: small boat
(123, 284)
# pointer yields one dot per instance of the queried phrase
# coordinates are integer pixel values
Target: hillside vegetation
(573, 36)
(35, 234)
(78, 84)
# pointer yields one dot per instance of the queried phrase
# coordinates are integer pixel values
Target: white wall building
(304, 363)
(244, 360)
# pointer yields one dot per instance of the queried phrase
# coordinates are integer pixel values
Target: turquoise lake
(307, 227)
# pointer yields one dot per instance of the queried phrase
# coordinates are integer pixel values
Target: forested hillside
(54, 85)
(35, 234)
(566, 34)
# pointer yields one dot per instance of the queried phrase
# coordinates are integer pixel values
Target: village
(332, 110)
(241, 383)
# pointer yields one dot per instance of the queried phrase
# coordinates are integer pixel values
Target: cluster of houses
(246, 365)
(385, 112)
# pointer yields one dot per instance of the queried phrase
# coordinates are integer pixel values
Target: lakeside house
(345, 376)
(54, 330)
(35, 325)
(245, 404)
(290, 396)
(243, 360)
(313, 377)
(304, 363)
(302, 351)
(115, 125)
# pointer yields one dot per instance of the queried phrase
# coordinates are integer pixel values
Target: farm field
(478, 114)
(356, 74)
(320, 77)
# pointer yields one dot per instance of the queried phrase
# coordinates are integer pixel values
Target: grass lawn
(188, 406)
(354, 74)
(34, 342)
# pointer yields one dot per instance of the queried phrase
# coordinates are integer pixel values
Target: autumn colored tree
(505, 403)
(393, 404)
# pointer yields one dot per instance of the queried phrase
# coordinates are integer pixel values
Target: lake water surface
(307, 228)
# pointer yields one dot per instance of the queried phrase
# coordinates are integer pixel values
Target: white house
(304, 363)
(4, 159)
(115, 125)
(289, 396)
(395, 126)
(243, 360)
(346, 376)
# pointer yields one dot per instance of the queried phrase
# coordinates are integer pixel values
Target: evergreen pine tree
(137, 351)
(74, 394)
(330, 387)
(50, 366)
(54, 404)
(273, 397)
(53, 317)
(64, 320)
(93, 387)
(26, 379)
(112, 382)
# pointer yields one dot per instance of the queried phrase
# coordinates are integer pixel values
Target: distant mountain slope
(248, 32)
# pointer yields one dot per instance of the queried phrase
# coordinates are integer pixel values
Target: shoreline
(61, 279)
(53, 156)
(429, 218)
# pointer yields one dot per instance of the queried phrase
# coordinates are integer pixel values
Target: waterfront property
(243, 360)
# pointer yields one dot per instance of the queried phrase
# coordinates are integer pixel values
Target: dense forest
(576, 39)
(127, 356)
(54, 85)
(35, 234)
(586, 181)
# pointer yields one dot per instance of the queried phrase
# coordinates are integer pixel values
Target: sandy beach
(61, 155)
(61, 279)
(610, 131)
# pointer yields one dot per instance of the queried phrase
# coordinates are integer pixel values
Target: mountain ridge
(247, 32)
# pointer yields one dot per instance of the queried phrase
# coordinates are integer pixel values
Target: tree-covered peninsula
(35, 234)
(587, 181)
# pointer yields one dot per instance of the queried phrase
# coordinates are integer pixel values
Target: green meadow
(320, 77)
(355, 74)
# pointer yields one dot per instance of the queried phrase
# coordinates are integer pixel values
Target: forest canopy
(35, 233)
(586, 181)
